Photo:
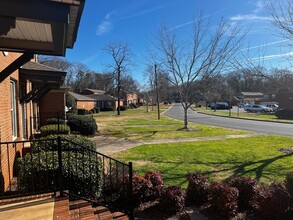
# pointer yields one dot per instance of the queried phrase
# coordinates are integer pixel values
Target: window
(13, 109)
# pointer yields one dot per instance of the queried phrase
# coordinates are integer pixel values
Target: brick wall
(5, 118)
(52, 105)
(88, 105)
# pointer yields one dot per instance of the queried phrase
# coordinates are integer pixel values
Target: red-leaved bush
(197, 190)
(141, 189)
(223, 200)
(155, 177)
(172, 200)
(247, 188)
(271, 202)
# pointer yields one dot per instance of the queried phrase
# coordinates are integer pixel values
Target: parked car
(221, 105)
(273, 106)
(257, 108)
(242, 105)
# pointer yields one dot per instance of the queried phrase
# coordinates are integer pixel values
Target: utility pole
(157, 91)
(118, 89)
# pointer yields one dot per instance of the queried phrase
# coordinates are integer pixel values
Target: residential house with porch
(29, 89)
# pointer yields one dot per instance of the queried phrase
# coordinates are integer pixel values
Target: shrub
(82, 172)
(50, 143)
(53, 129)
(108, 109)
(132, 105)
(156, 180)
(247, 188)
(197, 190)
(141, 189)
(97, 109)
(284, 113)
(271, 202)
(172, 200)
(223, 200)
(82, 111)
(122, 108)
(54, 121)
(84, 124)
(289, 183)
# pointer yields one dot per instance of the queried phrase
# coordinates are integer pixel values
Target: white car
(257, 108)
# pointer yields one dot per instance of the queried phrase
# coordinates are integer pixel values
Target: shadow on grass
(237, 169)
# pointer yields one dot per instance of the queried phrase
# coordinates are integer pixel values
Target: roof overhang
(44, 79)
(40, 26)
(40, 74)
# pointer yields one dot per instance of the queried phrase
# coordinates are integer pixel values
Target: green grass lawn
(266, 117)
(256, 157)
(138, 124)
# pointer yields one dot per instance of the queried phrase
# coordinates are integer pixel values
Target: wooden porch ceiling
(42, 27)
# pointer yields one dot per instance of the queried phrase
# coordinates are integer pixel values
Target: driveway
(176, 112)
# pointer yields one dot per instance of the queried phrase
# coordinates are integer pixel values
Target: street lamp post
(157, 91)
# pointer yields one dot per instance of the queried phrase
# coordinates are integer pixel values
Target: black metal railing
(53, 118)
(51, 165)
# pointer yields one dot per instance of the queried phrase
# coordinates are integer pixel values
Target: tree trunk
(118, 90)
(185, 118)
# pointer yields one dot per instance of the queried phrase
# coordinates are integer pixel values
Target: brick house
(47, 27)
(250, 97)
(28, 28)
(82, 101)
(130, 98)
(103, 100)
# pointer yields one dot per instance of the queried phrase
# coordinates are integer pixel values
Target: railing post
(58, 123)
(60, 173)
(131, 215)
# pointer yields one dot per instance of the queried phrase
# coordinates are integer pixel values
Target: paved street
(250, 125)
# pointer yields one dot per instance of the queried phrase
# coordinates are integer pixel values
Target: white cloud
(249, 17)
(145, 12)
(274, 56)
(191, 22)
(264, 45)
(106, 24)
(259, 6)
(103, 27)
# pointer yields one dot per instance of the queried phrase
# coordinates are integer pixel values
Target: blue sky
(136, 21)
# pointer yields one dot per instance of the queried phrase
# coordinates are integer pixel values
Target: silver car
(258, 108)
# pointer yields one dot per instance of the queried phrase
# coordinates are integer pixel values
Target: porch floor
(48, 207)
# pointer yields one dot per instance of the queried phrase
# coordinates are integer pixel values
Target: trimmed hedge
(108, 109)
(82, 111)
(284, 113)
(39, 172)
(50, 143)
(83, 124)
(54, 121)
(53, 129)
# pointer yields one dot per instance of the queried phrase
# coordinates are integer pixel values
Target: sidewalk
(109, 145)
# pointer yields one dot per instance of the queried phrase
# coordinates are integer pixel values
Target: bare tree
(60, 64)
(207, 53)
(120, 52)
(282, 13)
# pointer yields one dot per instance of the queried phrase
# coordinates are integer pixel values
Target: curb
(249, 119)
